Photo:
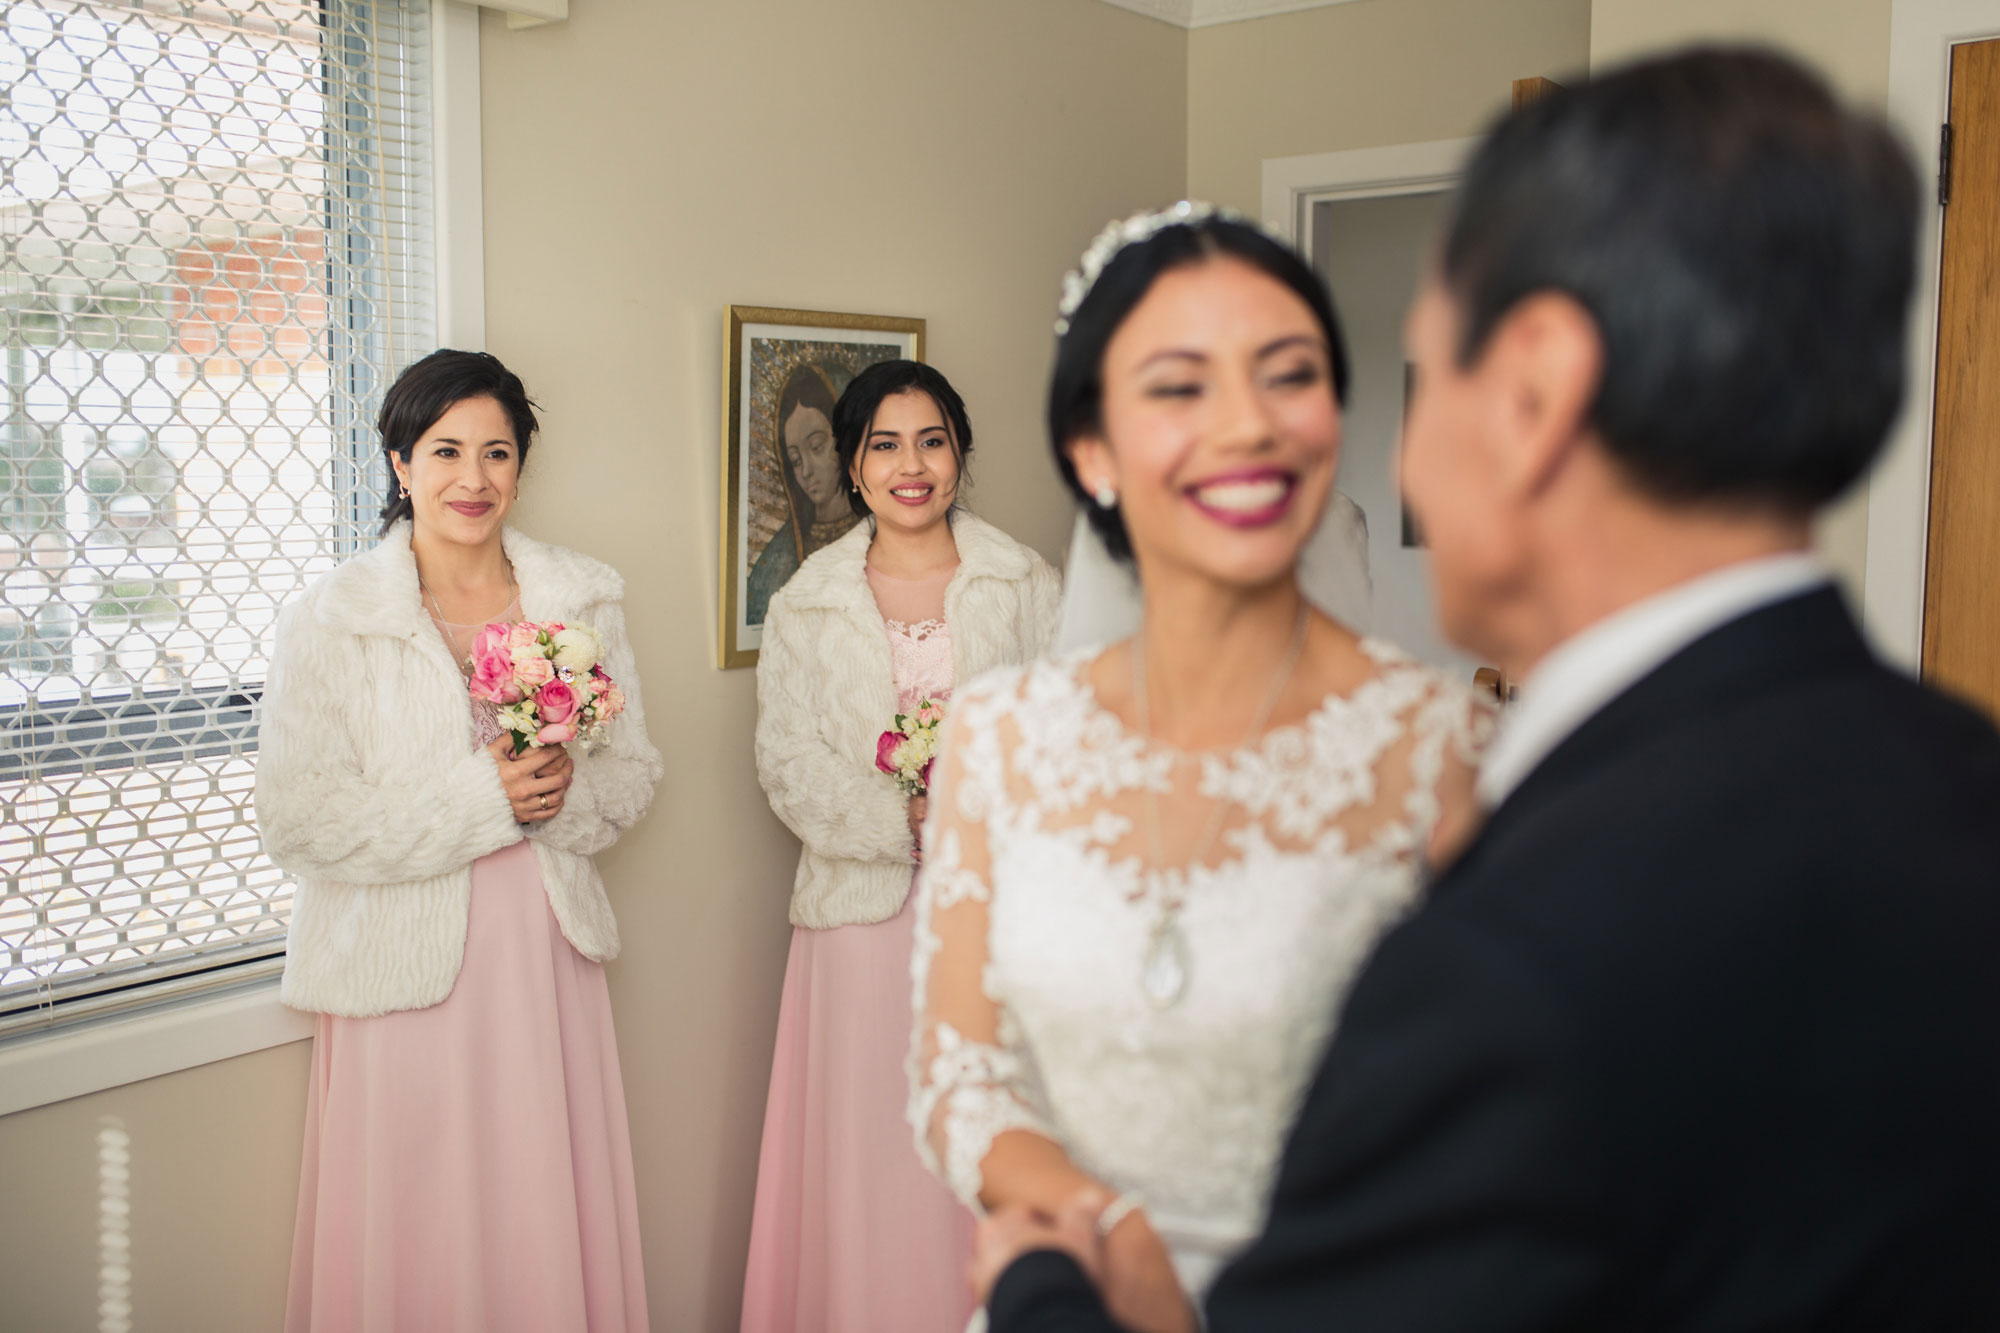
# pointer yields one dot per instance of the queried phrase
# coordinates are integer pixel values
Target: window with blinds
(215, 247)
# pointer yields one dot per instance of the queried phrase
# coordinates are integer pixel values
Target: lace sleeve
(1451, 729)
(971, 1080)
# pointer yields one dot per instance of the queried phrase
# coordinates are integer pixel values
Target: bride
(1153, 871)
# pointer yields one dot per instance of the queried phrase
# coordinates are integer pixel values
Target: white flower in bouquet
(577, 648)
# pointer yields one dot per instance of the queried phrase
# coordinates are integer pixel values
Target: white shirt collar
(1587, 671)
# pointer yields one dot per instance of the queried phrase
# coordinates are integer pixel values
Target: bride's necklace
(1163, 971)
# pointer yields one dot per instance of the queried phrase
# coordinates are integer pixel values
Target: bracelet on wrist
(1117, 1211)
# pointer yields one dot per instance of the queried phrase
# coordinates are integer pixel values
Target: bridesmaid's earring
(403, 494)
(1106, 497)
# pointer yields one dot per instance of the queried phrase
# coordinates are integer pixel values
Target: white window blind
(215, 247)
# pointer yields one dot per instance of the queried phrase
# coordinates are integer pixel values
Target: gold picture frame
(782, 494)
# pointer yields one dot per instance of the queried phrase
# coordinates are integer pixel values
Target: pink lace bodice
(919, 640)
(458, 639)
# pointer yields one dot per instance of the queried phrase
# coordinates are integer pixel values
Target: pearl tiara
(1129, 231)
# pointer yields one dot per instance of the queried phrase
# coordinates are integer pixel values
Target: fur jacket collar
(376, 593)
(836, 577)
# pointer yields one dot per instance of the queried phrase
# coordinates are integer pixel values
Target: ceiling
(1208, 13)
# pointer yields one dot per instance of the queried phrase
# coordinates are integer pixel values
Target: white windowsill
(39, 1068)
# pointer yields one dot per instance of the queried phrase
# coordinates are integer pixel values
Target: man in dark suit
(1702, 1030)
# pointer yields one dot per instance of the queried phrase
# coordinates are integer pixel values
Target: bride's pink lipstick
(1250, 485)
(472, 508)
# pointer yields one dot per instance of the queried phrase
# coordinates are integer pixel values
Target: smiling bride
(1151, 871)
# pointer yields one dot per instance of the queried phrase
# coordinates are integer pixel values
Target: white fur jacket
(371, 791)
(826, 691)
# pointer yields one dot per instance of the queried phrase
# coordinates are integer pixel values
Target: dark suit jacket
(1701, 1033)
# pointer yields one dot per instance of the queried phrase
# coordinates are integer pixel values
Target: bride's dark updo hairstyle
(432, 387)
(854, 418)
(1076, 387)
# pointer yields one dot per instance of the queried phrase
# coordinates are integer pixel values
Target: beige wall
(1848, 41)
(209, 1245)
(1362, 75)
(645, 164)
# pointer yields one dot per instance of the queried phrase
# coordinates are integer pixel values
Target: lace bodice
(921, 657)
(919, 642)
(486, 727)
(1036, 904)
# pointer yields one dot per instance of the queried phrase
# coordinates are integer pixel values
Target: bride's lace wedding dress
(1159, 1023)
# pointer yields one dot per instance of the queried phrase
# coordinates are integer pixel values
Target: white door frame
(1921, 35)
(1292, 185)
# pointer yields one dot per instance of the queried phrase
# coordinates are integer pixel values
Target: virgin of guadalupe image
(816, 499)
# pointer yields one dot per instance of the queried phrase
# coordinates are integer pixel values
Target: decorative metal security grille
(214, 252)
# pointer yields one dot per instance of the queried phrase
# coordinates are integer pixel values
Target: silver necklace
(437, 609)
(1164, 968)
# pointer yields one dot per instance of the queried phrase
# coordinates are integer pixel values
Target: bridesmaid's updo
(1076, 387)
(430, 388)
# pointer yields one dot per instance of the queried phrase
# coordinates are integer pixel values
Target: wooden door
(1962, 572)
(1527, 92)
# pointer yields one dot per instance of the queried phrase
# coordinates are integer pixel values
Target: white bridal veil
(1101, 596)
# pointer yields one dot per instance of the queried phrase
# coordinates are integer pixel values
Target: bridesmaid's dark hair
(854, 416)
(1076, 386)
(432, 387)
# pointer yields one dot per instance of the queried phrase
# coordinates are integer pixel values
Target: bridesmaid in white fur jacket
(467, 1163)
(850, 1234)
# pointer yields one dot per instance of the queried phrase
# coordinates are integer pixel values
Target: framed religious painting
(783, 494)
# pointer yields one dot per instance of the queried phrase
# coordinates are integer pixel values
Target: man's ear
(1547, 359)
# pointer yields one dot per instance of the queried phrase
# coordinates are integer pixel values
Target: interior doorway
(1370, 251)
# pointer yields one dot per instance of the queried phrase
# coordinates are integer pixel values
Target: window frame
(174, 1031)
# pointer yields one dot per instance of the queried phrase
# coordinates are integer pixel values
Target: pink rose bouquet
(547, 682)
(906, 751)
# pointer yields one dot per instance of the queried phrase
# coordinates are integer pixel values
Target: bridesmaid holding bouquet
(467, 1163)
(850, 1234)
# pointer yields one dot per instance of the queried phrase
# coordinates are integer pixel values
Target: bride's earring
(403, 494)
(1105, 496)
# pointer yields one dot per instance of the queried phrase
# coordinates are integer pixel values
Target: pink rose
(885, 751)
(490, 641)
(523, 635)
(534, 670)
(493, 679)
(557, 734)
(610, 703)
(930, 714)
(925, 776)
(555, 703)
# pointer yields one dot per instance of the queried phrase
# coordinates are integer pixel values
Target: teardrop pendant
(1163, 973)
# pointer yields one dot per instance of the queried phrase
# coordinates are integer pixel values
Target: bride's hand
(1008, 1233)
(1140, 1284)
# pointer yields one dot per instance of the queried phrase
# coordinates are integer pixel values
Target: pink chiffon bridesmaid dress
(851, 1234)
(468, 1167)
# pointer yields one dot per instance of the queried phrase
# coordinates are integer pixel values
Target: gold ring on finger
(545, 800)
